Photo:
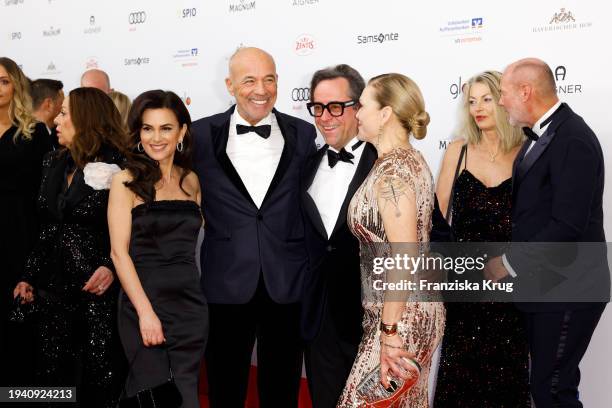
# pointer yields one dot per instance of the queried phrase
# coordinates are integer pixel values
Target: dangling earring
(179, 146)
(139, 147)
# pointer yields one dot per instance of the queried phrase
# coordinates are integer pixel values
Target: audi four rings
(138, 17)
(300, 94)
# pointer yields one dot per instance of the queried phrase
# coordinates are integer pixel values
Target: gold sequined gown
(422, 323)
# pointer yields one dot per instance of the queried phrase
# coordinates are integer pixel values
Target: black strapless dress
(162, 247)
(484, 361)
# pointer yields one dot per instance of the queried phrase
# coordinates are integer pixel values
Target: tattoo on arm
(391, 191)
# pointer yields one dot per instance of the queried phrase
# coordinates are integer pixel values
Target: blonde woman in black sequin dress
(484, 352)
(69, 275)
(393, 206)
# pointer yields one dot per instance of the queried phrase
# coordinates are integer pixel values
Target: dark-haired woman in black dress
(154, 220)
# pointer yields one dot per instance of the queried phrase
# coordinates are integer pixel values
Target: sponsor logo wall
(184, 46)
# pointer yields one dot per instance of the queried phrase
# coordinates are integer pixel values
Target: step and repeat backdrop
(184, 46)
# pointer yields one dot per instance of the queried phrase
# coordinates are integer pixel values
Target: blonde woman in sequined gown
(393, 205)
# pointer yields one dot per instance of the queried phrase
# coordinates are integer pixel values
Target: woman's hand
(25, 290)
(151, 329)
(392, 363)
(100, 281)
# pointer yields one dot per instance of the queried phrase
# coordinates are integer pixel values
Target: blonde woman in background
(23, 144)
(123, 104)
(392, 208)
(484, 352)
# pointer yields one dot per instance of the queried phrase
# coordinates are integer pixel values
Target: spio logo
(456, 89)
(560, 72)
(305, 44)
(189, 12)
(92, 20)
(16, 35)
(300, 94)
(138, 17)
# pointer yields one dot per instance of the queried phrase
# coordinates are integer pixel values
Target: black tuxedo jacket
(334, 281)
(243, 242)
(557, 197)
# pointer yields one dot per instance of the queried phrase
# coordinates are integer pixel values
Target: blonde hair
(509, 136)
(20, 108)
(123, 104)
(404, 98)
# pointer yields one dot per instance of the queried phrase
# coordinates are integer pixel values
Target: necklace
(492, 156)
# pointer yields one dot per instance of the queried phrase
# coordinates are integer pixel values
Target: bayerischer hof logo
(562, 20)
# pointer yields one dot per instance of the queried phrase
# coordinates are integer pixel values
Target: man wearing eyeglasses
(332, 311)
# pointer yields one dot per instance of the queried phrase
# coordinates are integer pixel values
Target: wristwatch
(388, 329)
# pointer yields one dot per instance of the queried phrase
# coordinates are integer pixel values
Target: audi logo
(300, 94)
(138, 17)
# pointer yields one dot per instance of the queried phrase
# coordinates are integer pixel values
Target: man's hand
(495, 269)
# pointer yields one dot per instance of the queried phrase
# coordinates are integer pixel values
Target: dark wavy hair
(145, 171)
(97, 125)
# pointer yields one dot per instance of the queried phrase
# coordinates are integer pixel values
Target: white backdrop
(183, 45)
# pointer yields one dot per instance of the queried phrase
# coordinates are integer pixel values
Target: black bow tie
(334, 157)
(530, 134)
(262, 130)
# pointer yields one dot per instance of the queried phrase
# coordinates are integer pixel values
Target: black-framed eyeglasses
(334, 108)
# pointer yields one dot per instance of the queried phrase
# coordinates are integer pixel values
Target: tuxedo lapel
(289, 134)
(310, 207)
(220, 135)
(368, 157)
(515, 165)
(542, 143)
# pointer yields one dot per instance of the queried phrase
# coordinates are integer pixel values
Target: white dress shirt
(538, 131)
(255, 158)
(330, 185)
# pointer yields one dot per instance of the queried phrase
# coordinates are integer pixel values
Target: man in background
(47, 98)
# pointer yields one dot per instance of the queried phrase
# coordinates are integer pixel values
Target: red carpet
(252, 401)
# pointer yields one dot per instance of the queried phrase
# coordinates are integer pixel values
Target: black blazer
(242, 242)
(557, 196)
(73, 240)
(334, 281)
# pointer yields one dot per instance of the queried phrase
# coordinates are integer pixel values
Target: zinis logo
(12, 2)
(93, 28)
(136, 61)
(244, 5)
(377, 38)
(305, 44)
(52, 32)
(304, 2)
(16, 35)
(562, 87)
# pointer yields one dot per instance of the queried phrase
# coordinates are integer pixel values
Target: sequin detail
(422, 323)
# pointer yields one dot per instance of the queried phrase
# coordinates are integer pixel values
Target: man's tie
(530, 134)
(334, 157)
(262, 130)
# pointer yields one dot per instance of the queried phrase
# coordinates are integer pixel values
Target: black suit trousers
(233, 331)
(557, 342)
